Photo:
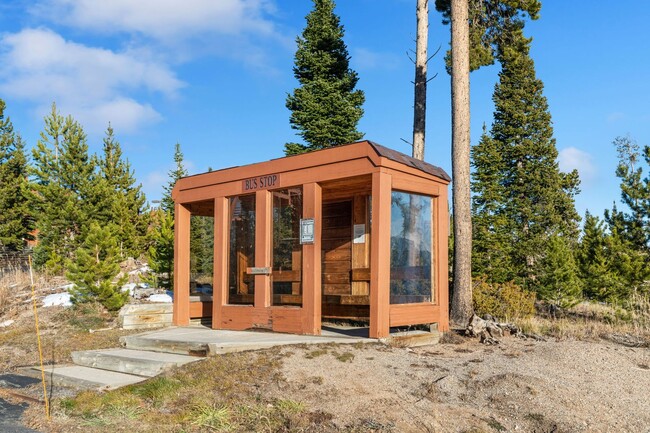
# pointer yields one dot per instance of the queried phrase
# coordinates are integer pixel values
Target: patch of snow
(129, 288)
(66, 287)
(142, 270)
(6, 323)
(160, 298)
(55, 299)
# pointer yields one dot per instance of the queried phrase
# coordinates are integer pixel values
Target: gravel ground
(518, 385)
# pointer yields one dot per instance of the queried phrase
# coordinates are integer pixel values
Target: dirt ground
(518, 385)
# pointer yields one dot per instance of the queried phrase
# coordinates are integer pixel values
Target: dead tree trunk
(420, 104)
(461, 306)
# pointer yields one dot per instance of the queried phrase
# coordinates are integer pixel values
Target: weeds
(213, 417)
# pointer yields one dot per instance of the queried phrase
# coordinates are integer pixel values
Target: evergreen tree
(326, 108)
(161, 253)
(96, 264)
(491, 23)
(16, 216)
(558, 274)
(122, 202)
(531, 197)
(167, 203)
(601, 282)
(635, 192)
(63, 189)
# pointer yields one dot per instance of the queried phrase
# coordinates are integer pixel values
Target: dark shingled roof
(402, 158)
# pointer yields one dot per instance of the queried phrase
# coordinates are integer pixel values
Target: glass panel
(287, 251)
(410, 248)
(242, 250)
(201, 255)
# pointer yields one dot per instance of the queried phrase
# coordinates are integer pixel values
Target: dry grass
(591, 321)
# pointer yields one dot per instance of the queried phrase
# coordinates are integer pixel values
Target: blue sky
(213, 75)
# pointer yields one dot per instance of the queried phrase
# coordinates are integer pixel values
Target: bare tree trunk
(420, 104)
(461, 306)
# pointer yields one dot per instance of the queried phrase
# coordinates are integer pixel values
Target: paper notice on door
(359, 234)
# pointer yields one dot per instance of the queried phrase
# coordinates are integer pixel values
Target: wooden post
(263, 233)
(311, 271)
(221, 248)
(360, 250)
(442, 261)
(380, 255)
(181, 316)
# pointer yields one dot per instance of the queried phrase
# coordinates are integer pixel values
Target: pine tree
(16, 216)
(122, 201)
(491, 23)
(94, 267)
(63, 189)
(167, 203)
(161, 253)
(326, 108)
(558, 274)
(635, 191)
(536, 199)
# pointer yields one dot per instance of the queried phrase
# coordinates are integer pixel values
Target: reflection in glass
(242, 250)
(287, 251)
(410, 248)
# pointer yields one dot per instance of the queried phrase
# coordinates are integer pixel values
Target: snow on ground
(55, 299)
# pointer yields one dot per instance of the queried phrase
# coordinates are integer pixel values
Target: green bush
(505, 301)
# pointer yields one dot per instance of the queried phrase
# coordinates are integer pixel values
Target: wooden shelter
(351, 232)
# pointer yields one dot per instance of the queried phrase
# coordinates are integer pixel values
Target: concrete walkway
(202, 341)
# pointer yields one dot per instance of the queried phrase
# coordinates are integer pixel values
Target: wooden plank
(362, 274)
(336, 278)
(220, 273)
(380, 255)
(330, 233)
(200, 309)
(354, 312)
(337, 266)
(312, 274)
(263, 239)
(361, 251)
(287, 319)
(441, 265)
(414, 314)
(347, 299)
(281, 299)
(181, 315)
(337, 255)
(286, 276)
(336, 289)
(236, 317)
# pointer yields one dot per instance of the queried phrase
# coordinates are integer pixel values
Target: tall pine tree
(63, 189)
(122, 200)
(326, 108)
(529, 201)
(16, 216)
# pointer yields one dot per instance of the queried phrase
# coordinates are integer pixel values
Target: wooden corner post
(181, 316)
(311, 298)
(220, 269)
(380, 255)
(263, 236)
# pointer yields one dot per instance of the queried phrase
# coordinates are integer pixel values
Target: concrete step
(131, 361)
(83, 377)
(146, 342)
(413, 338)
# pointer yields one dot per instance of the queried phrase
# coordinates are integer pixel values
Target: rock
(161, 298)
(6, 323)
(130, 287)
(56, 299)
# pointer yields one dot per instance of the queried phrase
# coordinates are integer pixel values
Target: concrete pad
(138, 362)
(84, 377)
(213, 342)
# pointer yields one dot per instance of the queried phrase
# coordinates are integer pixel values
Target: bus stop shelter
(355, 232)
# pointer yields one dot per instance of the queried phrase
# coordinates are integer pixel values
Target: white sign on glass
(307, 231)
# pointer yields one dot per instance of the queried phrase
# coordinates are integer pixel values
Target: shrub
(503, 300)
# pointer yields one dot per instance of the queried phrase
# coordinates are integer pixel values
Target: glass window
(411, 248)
(242, 250)
(287, 251)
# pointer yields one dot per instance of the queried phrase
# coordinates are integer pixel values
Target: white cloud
(571, 158)
(162, 19)
(93, 84)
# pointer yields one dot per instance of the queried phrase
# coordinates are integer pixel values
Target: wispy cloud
(615, 117)
(571, 158)
(40, 66)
